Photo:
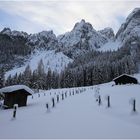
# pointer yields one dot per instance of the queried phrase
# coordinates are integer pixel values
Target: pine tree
(8, 81)
(41, 75)
(1, 77)
(34, 79)
(27, 76)
(49, 81)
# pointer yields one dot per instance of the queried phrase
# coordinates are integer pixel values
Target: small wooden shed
(16, 94)
(125, 79)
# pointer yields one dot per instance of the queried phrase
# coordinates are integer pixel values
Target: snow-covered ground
(77, 116)
(55, 61)
(110, 46)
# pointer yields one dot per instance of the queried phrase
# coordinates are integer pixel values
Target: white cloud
(61, 16)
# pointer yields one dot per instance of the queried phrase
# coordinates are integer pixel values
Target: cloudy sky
(61, 15)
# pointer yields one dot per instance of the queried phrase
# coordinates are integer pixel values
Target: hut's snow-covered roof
(123, 75)
(15, 88)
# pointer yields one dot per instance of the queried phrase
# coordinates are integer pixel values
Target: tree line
(91, 68)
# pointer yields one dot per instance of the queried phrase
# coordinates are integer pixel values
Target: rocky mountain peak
(14, 33)
(83, 37)
(6, 31)
(46, 34)
(83, 26)
(107, 32)
(131, 28)
(135, 14)
(44, 39)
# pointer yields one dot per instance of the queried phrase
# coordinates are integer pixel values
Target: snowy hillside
(77, 116)
(110, 46)
(51, 60)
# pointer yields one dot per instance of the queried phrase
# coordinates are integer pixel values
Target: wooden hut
(16, 94)
(125, 79)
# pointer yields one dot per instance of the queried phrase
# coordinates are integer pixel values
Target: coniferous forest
(88, 69)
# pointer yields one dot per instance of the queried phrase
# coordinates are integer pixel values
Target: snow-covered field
(77, 116)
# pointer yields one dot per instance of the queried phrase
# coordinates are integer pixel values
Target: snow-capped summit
(83, 26)
(45, 39)
(13, 33)
(82, 37)
(130, 30)
(107, 32)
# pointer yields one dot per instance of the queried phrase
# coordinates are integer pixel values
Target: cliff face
(130, 30)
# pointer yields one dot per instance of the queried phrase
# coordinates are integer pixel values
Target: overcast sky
(61, 15)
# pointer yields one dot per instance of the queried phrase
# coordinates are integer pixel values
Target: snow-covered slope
(77, 116)
(110, 46)
(51, 60)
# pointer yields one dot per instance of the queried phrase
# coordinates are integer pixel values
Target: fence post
(70, 92)
(134, 105)
(62, 96)
(65, 94)
(73, 92)
(47, 106)
(38, 95)
(57, 98)
(15, 110)
(77, 91)
(53, 102)
(99, 100)
(108, 101)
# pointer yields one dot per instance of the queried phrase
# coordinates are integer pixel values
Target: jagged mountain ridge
(130, 29)
(47, 40)
(82, 38)
(108, 33)
(43, 40)
(10, 33)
